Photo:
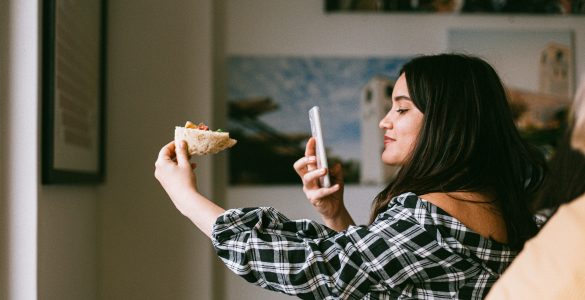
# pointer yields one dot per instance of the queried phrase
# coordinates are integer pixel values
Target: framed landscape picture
(538, 70)
(269, 100)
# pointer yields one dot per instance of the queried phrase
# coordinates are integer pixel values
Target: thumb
(182, 156)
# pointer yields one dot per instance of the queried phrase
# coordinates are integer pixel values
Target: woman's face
(401, 125)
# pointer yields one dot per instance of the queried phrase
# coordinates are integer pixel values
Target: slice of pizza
(201, 140)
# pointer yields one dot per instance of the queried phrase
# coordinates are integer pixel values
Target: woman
(446, 227)
(552, 266)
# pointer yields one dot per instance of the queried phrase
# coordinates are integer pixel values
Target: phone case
(317, 132)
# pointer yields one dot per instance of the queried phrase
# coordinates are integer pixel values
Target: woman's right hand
(327, 201)
(175, 173)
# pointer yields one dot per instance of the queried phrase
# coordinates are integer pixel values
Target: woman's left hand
(328, 202)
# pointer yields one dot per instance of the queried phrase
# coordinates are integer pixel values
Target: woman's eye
(401, 110)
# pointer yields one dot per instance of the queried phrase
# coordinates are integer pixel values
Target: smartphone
(317, 133)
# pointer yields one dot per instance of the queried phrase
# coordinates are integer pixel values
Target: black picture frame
(73, 91)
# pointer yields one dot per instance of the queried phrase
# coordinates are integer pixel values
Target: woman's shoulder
(415, 203)
(411, 207)
(410, 211)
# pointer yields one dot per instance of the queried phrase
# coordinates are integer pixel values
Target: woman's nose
(385, 123)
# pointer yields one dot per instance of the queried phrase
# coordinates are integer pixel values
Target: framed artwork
(538, 70)
(269, 100)
(73, 91)
(538, 7)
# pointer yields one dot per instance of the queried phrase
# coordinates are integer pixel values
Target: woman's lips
(388, 140)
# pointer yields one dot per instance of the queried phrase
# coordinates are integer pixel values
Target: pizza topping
(201, 140)
(201, 126)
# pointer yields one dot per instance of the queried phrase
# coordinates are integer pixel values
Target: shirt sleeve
(309, 260)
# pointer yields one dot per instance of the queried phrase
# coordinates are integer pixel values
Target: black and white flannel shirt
(413, 250)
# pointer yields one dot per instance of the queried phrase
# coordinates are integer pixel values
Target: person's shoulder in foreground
(552, 265)
(413, 250)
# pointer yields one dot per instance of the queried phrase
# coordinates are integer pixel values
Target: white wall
(160, 75)
(67, 242)
(281, 27)
(4, 222)
(18, 149)
(48, 233)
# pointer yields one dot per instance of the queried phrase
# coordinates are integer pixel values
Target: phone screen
(317, 133)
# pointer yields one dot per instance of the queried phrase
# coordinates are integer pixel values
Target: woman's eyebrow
(404, 97)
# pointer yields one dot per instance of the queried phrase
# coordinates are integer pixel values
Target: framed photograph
(73, 91)
(538, 69)
(526, 7)
(268, 113)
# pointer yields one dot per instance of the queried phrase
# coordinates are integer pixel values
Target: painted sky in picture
(296, 84)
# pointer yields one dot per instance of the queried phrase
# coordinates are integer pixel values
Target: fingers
(182, 155)
(306, 167)
(165, 158)
(174, 152)
(310, 147)
(309, 161)
(310, 152)
(301, 165)
(316, 194)
(167, 152)
(310, 179)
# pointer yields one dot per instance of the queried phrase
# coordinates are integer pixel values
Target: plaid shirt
(413, 250)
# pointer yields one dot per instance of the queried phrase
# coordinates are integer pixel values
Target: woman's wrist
(184, 200)
(200, 210)
(340, 221)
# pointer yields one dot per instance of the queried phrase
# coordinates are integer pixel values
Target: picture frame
(73, 92)
(504, 7)
(268, 100)
(537, 68)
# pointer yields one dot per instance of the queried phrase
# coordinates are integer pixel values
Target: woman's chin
(393, 162)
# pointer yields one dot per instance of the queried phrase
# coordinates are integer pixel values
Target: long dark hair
(468, 141)
(567, 166)
(566, 177)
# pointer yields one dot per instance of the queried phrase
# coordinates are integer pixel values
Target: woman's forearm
(200, 210)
